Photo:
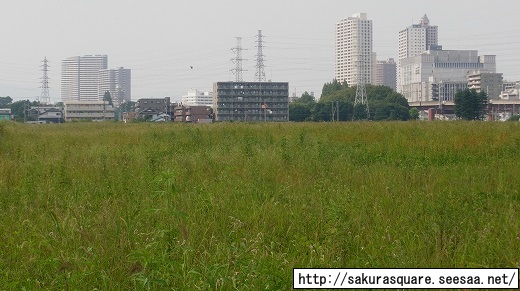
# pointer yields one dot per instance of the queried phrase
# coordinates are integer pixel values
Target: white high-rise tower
(354, 57)
(80, 77)
(414, 40)
(118, 82)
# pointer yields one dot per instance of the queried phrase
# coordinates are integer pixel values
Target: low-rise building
(88, 111)
(45, 114)
(488, 82)
(198, 98)
(150, 108)
(511, 93)
(5, 114)
(195, 114)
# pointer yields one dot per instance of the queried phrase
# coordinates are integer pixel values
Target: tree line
(337, 102)
(18, 108)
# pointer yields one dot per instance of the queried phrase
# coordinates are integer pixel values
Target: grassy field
(238, 206)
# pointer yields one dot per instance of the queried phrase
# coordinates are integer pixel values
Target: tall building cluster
(424, 70)
(87, 78)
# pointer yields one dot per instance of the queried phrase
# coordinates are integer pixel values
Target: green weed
(238, 205)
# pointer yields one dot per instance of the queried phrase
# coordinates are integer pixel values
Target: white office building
(437, 75)
(118, 83)
(354, 56)
(197, 98)
(80, 77)
(414, 40)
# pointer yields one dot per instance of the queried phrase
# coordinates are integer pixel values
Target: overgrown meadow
(238, 206)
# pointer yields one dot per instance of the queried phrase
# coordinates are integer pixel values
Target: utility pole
(335, 111)
(25, 111)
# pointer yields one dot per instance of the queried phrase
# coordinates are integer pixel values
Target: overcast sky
(160, 39)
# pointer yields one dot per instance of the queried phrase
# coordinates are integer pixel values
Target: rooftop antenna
(237, 60)
(44, 97)
(260, 73)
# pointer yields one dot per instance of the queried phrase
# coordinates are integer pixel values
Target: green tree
(470, 105)
(334, 86)
(359, 112)
(321, 112)
(128, 106)
(299, 111)
(18, 109)
(514, 118)
(383, 101)
(345, 111)
(5, 101)
(414, 113)
(107, 97)
(306, 98)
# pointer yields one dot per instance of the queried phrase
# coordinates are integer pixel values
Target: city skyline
(162, 41)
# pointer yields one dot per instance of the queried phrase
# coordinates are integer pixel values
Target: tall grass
(237, 206)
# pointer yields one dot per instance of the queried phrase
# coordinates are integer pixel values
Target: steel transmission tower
(260, 73)
(361, 92)
(237, 60)
(44, 97)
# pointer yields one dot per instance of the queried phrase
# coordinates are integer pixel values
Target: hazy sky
(159, 40)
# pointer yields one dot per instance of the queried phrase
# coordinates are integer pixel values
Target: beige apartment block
(88, 111)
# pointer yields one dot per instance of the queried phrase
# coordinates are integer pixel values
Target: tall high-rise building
(414, 40)
(80, 77)
(118, 83)
(354, 56)
(386, 73)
